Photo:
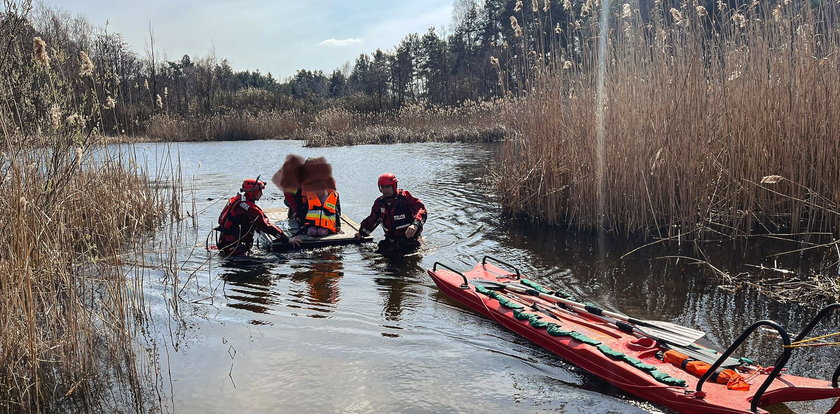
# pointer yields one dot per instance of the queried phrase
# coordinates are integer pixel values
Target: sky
(279, 36)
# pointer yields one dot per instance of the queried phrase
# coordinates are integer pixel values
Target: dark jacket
(395, 214)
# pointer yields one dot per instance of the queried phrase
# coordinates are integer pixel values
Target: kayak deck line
(631, 360)
(279, 216)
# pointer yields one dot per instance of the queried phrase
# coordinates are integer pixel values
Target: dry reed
(261, 125)
(471, 122)
(65, 309)
(69, 211)
(695, 117)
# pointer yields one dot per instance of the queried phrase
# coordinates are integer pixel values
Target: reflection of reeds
(694, 119)
(67, 316)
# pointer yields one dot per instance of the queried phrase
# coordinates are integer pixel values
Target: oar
(675, 334)
(691, 350)
(557, 312)
(651, 332)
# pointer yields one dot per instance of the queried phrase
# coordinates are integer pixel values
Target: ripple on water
(346, 330)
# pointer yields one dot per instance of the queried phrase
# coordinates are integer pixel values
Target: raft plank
(279, 216)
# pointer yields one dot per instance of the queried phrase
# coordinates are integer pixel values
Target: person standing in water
(401, 214)
(241, 217)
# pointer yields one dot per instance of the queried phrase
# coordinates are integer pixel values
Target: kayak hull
(716, 399)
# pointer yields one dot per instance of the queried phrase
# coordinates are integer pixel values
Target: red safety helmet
(388, 179)
(252, 187)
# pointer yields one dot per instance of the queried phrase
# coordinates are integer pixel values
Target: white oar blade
(678, 339)
(674, 328)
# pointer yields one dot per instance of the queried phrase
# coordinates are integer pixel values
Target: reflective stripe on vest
(319, 215)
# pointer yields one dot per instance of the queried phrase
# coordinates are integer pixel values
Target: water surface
(345, 330)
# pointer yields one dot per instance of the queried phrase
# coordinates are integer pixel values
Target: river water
(343, 329)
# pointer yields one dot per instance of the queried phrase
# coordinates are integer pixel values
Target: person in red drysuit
(241, 217)
(401, 214)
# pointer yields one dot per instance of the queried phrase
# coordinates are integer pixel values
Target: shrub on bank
(471, 122)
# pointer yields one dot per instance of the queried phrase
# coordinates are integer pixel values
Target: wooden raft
(280, 217)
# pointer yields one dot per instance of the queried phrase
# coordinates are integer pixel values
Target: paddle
(665, 331)
(692, 351)
(651, 332)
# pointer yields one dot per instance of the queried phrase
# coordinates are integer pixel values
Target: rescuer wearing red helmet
(241, 217)
(402, 217)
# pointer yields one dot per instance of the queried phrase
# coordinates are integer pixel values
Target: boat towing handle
(466, 285)
(484, 262)
(818, 317)
(780, 362)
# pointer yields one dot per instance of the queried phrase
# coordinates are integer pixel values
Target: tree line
(494, 49)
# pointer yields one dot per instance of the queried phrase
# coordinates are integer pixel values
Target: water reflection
(397, 276)
(361, 296)
(248, 285)
(320, 275)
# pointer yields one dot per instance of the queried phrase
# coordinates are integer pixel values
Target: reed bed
(260, 125)
(712, 128)
(70, 209)
(471, 122)
(66, 311)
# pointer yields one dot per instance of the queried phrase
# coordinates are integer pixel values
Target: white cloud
(340, 42)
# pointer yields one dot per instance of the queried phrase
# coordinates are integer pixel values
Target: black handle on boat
(464, 286)
(818, 317)
(835, 376)
(821, 314)
(780, 363)
(484, 261)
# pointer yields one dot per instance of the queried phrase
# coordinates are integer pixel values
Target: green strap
(667, 379)
(536, 286)
(613, 354)
(483, 290)
(501, 299)
(521, 315)
(554, 329)
(542, 289)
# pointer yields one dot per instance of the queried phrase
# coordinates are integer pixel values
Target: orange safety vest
(319, 215)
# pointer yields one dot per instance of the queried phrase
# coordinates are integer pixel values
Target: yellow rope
(805, 342)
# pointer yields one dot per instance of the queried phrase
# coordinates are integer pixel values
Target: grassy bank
(336, 126)
(723, 127)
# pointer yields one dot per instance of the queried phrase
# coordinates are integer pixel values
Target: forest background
(694, 120)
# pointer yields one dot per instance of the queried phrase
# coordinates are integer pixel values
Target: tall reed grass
(714, 126)
(66, 311)
(69, 212)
